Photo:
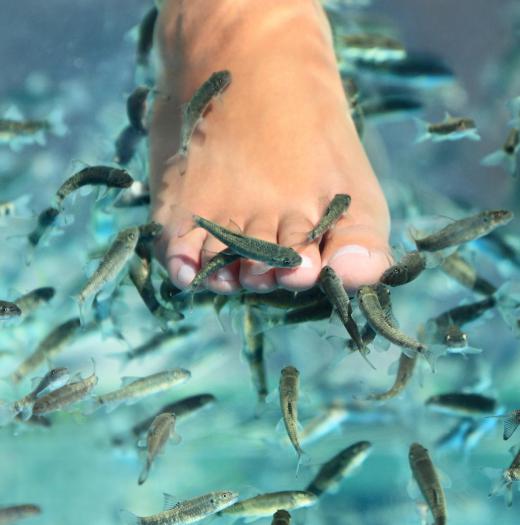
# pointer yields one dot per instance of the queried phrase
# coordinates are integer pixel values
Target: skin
(271, 50)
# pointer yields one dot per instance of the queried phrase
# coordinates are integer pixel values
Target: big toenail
(186, 274)
(307, 262)
(351, 249)
(225, 274)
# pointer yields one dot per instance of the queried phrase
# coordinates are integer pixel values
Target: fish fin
(169, 501)
(91, 404)
(26, 412)
(85, 190)
(433, 259)
(13, 113)
(251, 519)
(175, 438)
(58, 126)
(422, 130)
(393, 367)
(508, 305)
(35, 381)
(126, 380)
(494, 159)
(472, 134)
(510, 425)
(303, 459)
(273, 396)
(142, 443)
(180, 160)
(234, 227)
(444, 479)
(144, 473)
(129, 517)
(7, 413)
(432, 354)
(412, 489)
(280, 427)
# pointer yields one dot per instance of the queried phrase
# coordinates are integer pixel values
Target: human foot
(270, 153)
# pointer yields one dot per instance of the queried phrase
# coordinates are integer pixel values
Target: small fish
(406, 270)
(265, 505)
(464, 314)
(507, 154)
(427, 479)
(250, 247)
(217, 262)
(65, 396)
(145, 36)
(161, 429)
(183, 512)
(126, 145)
(371, 308)
(135, 389)
(506, 479)
(332, 287)
(337, 207)
(23, 131)
(289, 391)
(47, 349)
(14, 513)
(181, 408)
(404, 373)
(370, 47)
(462, 404)
(33, 299)
(464, 230)
(138, 194)
(253, 351)
(313, 312)
(327, 420)
(112, 263)
(339, 467)
(466, 274)
(281, 517)
(45, 220)
(136, 108)
(9, 310)
(451, 128)
(511, 422)
(94, 176)
(193, 112)
(390, 108)
(283, 299)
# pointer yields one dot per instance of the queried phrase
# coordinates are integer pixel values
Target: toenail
(351, 249)
(225, 274)
(186, 274)
(307, 262)
(259, 268)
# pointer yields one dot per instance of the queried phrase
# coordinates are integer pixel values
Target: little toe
(255, 275)
(359, 254)
(292, 232)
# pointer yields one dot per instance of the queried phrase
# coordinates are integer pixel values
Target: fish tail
(130, 518)
(422, 130)
(432, 354)
(57, 124)
(7, 413)
(508, 305)
(510, 425)
(144, 473)
(500, 485)
(494, 159)
(303, 458)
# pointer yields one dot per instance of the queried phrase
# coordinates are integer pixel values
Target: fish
(409, 267)
(462, 404)
(181, 408)
(507, 155)
(126, 145)
(328, 419)
(136, 108)
(65, 396)
(112, 263)
(9, 310)
(217, 262)
(50, 346)
(390, 108)
(464, 273)
(138, 194)
(193, 112)
(145, 36)
(337, 207)
(283, 299)
(507, 477)
(136, 388)
(370, 47)
(184, 512)
(427, 479)
(451, 128)
(46, 219)
(250, 247)
(332, 287)
(511, 422)
(288, 387)
(339, 467)
(405, 369)
(465, 313)
(94, 176)
(464, 230)
(30, 301)
(371, 308)
(161, 429)
(265, 505)
(281, 517)
(52, 380)
(14, 513)
(156, 342)
(253, 351)
(356, 109)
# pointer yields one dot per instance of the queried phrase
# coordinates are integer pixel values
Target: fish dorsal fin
(126, 380)
(447, 115)
(13, 113)
(234, 227)
(413, 489)
(35, 381)
(510, 425)
(170, 502)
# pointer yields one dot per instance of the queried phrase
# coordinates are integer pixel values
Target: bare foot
(270, 153)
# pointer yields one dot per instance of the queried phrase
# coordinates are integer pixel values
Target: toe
(291, 232)
(254, 275)
(359, 254)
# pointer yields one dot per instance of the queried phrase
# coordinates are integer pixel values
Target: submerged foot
(270, 153)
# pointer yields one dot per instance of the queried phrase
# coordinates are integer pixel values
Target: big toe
(359, 254)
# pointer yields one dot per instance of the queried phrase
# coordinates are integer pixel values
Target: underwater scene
(126, 398)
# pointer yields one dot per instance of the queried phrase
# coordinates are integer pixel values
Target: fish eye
(131, 236)
(212, 500)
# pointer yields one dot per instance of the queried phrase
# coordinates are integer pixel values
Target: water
(79, 57)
